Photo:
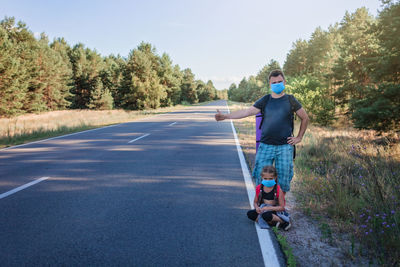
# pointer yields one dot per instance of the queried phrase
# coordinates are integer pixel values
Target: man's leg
(284, 166)
(264, 157)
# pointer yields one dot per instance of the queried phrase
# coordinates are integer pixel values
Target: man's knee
(267, 216)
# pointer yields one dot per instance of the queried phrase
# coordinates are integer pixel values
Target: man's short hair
(276, 73)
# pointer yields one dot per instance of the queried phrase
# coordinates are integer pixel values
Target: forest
(351, 71)
(38, 76)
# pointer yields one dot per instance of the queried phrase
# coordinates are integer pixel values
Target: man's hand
(219, 116)
(293, 140)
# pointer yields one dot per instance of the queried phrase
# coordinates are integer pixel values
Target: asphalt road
(163, 191)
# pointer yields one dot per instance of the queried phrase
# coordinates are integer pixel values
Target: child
(269, 200)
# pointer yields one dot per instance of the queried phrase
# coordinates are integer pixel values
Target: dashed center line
(22, 187)
(143, 136)
(172, 123)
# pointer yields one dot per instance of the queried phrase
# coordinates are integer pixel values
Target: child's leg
(252, 215)
(271, 218)
(276, 218)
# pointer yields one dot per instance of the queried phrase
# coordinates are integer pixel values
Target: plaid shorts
(282, 155)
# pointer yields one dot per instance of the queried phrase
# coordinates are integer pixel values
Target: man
(276, 134)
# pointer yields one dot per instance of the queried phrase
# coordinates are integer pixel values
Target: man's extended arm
(239, 114)
(303, 126)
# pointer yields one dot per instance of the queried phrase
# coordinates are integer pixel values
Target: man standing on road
(277, 142)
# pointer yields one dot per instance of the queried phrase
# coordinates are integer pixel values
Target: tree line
(352, 70)
(36, 76)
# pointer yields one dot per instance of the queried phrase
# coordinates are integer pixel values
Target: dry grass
(31, 127)
(349, 177)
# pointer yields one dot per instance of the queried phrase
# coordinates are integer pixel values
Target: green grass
(287, 250)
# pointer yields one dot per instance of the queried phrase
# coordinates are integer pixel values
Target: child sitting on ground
(269, 203)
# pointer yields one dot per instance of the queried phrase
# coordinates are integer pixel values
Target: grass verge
(352, 180)
(32, 127)
(347, 179)
(41, 134)
(287, 250)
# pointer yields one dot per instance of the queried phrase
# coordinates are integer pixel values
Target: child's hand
(258, 209)
(264, 209)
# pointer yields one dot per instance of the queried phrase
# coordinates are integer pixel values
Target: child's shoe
(285, 225)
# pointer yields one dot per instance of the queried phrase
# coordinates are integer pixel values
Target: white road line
(57, 137)
(172, 123)
(267, 247)
(22, 187)
(143, 136)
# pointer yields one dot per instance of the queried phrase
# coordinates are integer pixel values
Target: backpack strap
(278, 188)
(277, 191)
(268, 97)
(293, 113)
(260, 194)
(292, 103)
(259, 189)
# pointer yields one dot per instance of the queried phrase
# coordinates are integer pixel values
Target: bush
(314, 98)
(379, 110)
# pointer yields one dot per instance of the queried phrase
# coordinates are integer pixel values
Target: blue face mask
(277, 88)
(268, 183)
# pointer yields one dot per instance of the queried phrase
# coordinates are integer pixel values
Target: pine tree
(388, 31)
(86, 67)
(141, 85)
(100, 99)
(296, 59)
(263, 74)
(176, 93)
(188, 87)
(52, 81)
(111, 77)
(233, 92)
(169, 81)
(355, 65)
(201, 91)
(65, 74)
(15, 68)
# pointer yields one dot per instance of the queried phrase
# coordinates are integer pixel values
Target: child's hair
(270, 169)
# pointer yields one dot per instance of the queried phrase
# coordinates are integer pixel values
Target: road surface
(167, 190)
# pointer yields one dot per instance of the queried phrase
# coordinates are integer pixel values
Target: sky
(219, 40)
